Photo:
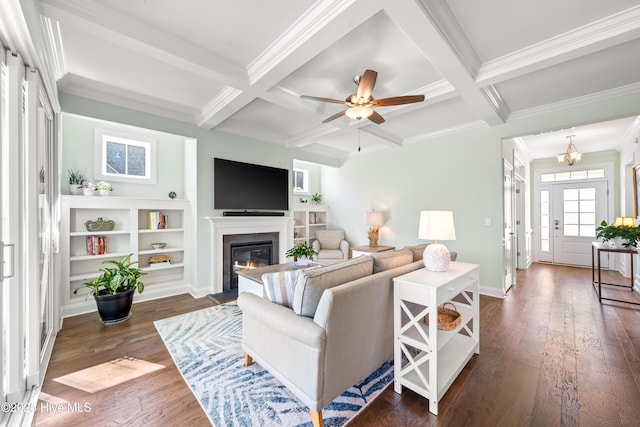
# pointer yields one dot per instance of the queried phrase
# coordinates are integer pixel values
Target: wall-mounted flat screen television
(245, 186)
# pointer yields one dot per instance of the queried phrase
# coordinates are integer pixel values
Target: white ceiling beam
(390, 139)
(601, 34)
(92, 89)
(278, 61)
(419, 24)
(103, 22)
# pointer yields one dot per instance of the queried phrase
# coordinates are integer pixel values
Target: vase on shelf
(104, 192)
(88, 191)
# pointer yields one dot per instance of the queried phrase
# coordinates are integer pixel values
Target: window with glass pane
(124, 158)
(300, 180)
(579, 206)
(544, 221)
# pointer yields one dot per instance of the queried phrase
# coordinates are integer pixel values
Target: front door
(577, 209)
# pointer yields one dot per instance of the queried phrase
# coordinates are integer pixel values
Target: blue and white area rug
(206, 347)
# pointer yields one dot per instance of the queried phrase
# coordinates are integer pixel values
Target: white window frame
(305, 181)
(102, 136)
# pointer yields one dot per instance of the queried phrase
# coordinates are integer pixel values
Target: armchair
(330, 246)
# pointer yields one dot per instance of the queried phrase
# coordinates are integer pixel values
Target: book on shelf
(156, 220)
(96, 245)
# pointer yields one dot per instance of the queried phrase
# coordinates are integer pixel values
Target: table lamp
(626, 221)
(375, 220)
(436, 225)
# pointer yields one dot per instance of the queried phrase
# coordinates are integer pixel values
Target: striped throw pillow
(279, 286)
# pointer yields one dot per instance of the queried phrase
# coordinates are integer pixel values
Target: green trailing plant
(120, 276)
(301, 250)
(75, 177)
(630, 235)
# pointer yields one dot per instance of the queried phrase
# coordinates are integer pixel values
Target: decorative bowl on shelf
(158, 245)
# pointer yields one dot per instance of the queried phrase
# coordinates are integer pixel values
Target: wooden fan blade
(335, 116)
(367, 82)
(397, 100)
(317, 98)
(376, 118)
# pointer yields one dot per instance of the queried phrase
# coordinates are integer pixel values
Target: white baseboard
(198, 292)
(491, 292)
(150, 293)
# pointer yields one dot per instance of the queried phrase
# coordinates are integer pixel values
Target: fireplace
(247, 251)
(225, 226)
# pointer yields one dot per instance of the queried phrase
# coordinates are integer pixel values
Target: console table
(428, 360)
(597, 248)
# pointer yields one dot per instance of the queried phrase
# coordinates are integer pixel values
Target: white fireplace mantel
(226, 225)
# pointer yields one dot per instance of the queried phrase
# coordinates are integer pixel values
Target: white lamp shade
(374, 218)
(436, 225)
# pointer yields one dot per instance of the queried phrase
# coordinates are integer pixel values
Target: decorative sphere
(172, 195)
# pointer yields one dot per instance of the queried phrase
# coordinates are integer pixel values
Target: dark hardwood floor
(550, 355)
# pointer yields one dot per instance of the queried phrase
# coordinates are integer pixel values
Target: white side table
(434, 358)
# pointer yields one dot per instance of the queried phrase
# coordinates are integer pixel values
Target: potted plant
(103, 188)
(626, 236)
(113, 289)
(75, 179)
(316, 198)
(301, 253)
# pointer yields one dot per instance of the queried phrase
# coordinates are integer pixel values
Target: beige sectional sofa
(338, 330)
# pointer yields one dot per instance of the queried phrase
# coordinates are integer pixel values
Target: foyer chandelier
(572, 156)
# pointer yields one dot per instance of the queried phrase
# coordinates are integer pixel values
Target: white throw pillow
(279, 286)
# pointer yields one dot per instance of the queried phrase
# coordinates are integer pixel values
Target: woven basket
(448, 318)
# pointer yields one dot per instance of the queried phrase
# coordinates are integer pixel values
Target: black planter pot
(115, 308)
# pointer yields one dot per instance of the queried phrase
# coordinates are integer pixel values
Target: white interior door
(577, 209)
(509, 230)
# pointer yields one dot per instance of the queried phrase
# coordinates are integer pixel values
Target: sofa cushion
(391, 259)
(310, 284)
(331, 254)
(330, 239)
(418, 251)
(279, 286)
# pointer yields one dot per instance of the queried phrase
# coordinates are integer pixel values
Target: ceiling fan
(361, 103)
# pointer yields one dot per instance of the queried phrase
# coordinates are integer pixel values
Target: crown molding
(53, 40)
(478, 124)
(561, 48)
(391, 138)
(577, 102)
(497, 103)
(93, 90)
(449, 28)
(310, 136)
(319, 15)
(221, 100)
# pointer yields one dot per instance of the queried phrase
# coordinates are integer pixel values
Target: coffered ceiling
(241, 66)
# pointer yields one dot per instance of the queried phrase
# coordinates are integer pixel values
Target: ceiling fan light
(359, 112)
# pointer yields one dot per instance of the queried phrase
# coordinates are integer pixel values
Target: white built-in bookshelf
(134, 233)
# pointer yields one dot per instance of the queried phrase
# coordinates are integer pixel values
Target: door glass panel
(544, 221)
(579, 212)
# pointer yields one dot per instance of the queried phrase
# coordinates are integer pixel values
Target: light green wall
(461, 172)
(78, 152)
(210, 144)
